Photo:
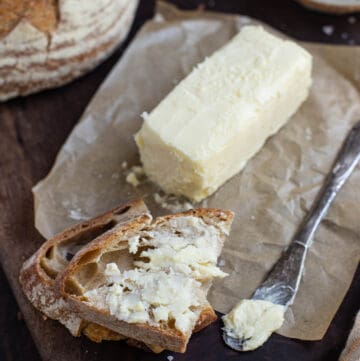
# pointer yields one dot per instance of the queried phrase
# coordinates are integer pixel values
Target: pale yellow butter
(220, 115)
(181, 256)
(253, 322)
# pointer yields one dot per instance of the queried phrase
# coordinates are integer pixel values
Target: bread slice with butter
(206, 129)
(148, 280)
(39, 272)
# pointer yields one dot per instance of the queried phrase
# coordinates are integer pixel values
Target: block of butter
(220, 115)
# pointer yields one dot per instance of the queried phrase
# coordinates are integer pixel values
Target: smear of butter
(253, 322)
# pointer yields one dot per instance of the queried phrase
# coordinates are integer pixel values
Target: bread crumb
(221, 262)
(136, 176)
(132, 179)
(76, 214)
(124, 165)
(328, 29)
(172, 202)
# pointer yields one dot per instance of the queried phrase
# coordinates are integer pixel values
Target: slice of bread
(148, 280)
(332, 6)
(39, 272)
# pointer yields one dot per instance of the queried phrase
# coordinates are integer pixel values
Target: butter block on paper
(220, 115)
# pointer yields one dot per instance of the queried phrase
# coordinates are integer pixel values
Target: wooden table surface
(32, 130)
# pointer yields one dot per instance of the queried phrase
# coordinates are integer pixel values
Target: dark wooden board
(32, 130)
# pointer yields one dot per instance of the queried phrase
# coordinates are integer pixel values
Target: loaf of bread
(148, 279)
(47, 43)
(333, 6)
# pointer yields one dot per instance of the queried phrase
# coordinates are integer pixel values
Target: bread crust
(166, 338)
(38, 286)
(49, 49)
(329, 8)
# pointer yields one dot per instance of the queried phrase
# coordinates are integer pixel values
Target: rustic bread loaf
(148, 280)
(333, 6)
(47, 43)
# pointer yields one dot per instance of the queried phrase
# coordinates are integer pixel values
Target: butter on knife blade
(220, 115)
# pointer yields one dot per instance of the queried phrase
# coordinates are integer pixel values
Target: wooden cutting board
(32, 130)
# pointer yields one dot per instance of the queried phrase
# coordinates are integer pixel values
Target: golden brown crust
(206, 317)
(335, 9)
(42, 14)
(97, 333)
(38, 283)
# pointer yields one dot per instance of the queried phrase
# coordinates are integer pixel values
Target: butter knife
(282, 282)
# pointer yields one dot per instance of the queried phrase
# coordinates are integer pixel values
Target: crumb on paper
(352, 20)
(138, 170)
(136, 176)
(132, 179)
(76, 214)
(172, 202)
(221, 262)
(308, 134)
(115, 175)
(170, 358)
(252, 218)
(124, 165)
(328, 29)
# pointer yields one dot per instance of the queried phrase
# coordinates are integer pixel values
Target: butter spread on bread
(206, 129)
(40, 272)
(148, 279)
(176, 257)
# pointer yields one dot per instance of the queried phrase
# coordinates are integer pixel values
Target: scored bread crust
(39, 288)
(53, 42)
(330, 8)
(164, 337)
(38, 285)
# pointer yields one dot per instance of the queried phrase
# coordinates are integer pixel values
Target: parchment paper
(270, 197)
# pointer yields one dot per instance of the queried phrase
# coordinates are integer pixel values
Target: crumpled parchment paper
(270, 196)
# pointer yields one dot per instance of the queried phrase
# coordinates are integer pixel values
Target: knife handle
(282, 283)
(345, 162)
